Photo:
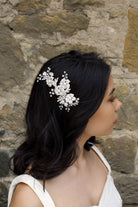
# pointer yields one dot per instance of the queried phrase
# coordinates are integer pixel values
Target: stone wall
(32, 32)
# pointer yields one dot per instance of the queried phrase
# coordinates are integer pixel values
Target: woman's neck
(82, 153)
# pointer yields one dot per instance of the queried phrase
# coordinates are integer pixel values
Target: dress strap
(35, 185)
(98, 152)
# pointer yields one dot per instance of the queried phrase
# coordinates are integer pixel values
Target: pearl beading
(65, 99)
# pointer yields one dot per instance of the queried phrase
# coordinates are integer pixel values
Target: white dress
(110, 196)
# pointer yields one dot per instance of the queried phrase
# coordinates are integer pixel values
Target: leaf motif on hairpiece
(62, 89)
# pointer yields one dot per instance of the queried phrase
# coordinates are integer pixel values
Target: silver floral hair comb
(62, 89)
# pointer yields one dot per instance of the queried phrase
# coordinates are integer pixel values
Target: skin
(102, 122)
(82, 183)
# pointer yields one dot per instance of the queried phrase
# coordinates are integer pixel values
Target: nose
(118, 105)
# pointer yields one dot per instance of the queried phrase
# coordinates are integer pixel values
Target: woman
(60, 163)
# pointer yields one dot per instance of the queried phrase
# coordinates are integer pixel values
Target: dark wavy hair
(51, 142)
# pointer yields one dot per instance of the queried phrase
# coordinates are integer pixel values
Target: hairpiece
(62, 89)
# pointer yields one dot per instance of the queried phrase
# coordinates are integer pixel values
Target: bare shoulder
(24, 196)
(92, 152)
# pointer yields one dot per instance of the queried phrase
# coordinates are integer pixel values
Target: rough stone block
(113, 15)
(14, 2)
(75, 4)
(130, 205)
(128, 188)
(131, 43)
(120, 152)
(6, 10)
(32, 6)
(50, 51)
(12, 117)
(2, 132)
(3, 195)
(128, 114)
(12, 65)
(4, 163)
(65, 22)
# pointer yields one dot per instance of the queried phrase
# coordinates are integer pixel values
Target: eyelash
(112, 99)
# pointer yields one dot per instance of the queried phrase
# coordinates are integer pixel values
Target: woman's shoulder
(24, 196)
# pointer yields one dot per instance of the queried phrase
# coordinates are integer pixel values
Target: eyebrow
(112, 91)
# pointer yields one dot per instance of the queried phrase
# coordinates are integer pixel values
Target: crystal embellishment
(62, 90)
